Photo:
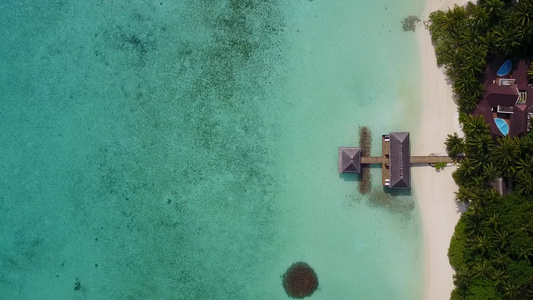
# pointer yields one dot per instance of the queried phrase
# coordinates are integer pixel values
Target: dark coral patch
(300, 280)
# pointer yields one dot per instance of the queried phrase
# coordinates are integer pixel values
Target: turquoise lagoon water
(188, 149)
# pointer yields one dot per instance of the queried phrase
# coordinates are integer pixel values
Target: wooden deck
(384, 160)
(374, 159)
(414, 159)
(385, 148)
(430, 159)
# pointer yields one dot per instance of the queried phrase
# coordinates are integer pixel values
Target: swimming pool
(502, 126)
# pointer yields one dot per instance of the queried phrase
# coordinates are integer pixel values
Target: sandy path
(433, 190)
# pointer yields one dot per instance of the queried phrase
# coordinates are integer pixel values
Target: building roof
(518, 121)
(501, 95)
(349, 160)
(523, 86)
(399, 160)
(520, 71)
(496, 95)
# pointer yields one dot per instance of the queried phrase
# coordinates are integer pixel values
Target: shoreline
(434, 191)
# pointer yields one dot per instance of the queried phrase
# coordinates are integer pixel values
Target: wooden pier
(395, 170)
(365, 160)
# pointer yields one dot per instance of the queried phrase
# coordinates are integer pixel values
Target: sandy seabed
(433, 190)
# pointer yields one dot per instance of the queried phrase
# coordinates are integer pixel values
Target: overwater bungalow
(507, 103)
(349, 160)
(399, 160)
(395, 160)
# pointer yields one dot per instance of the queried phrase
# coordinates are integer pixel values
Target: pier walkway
(365, 160)
(395, 160)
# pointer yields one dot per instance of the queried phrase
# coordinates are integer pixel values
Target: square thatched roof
(349, 160)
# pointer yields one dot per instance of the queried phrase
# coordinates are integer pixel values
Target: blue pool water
(188, 149)
(502, 126)
(505, 68)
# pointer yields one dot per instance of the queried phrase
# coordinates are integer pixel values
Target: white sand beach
(433, 190)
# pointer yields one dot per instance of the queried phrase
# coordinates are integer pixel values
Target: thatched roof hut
(399, 160)
(349, 160)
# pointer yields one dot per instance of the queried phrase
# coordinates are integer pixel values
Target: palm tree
(525, 146)
(494, 220)
(454, 144)
(524, 252)
(510, 289)
(473, 125)
(462, 276)
(493, 9)
(481, 269)
(477, 50)
(523, 183)
(479, 146)
(445, 55)
(464, 194)
(500, 259)
(467, 103)
(469, 36)
(500, 238)
(478, 181)
(523, 13)
(481, 243)
(456, 18)
(490, 40)
(522, 166)
(473, 225)
(439, 24)
(499, 276)
(490, 171)
(492, 194)
(467, 85)
(473, 66)
(508, 38)
(455, 58)
(527, 227)
(479, 17)
(505, 154)
(463, 175)
(529, 290)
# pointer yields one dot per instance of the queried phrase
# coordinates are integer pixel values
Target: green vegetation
(440, 165)
(454, 145)
(409, 23)
(492, 247)
(493, 242)
(464, 37)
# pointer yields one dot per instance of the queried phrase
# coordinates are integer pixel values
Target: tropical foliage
(465, 37)
(492, 247)
(492, 250)
(454, 145)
